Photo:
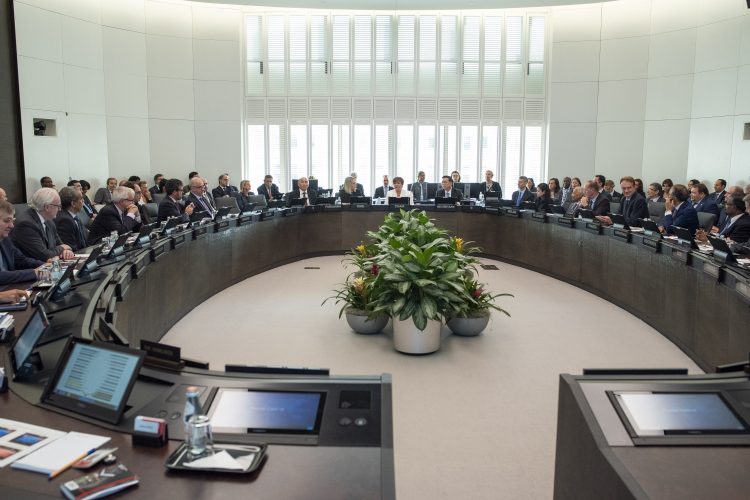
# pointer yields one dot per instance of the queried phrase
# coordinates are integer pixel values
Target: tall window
(331, 92)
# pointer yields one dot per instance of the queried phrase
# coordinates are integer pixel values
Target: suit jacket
(275, 193)
(242, 201)
(154, 190)
(416, 189)
(311, 194)
(88, 206)
(346, 197)
(170, 208)
(360, 190)
(19, 267)
(660, 199)
(455, 193)
(572, 209)
(633, 210)
(601, 205)
(145, 217)
(543, 205)
(605, 193)
(495, 189)
(69, 231)
(102, 196)
(379, 192)
(718, 198)
(685, 216)
(740, 230)
(527, 196)
(109, 220)
(199, 207)
(707, 205)
(219, 191)
(33, 239)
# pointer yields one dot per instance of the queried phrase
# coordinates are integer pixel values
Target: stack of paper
(60, 452)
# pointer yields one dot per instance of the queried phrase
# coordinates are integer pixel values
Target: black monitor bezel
(91, 263)
(15, 364)
(62, 286)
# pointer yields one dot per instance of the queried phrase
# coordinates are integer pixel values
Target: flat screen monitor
(94, 379)
(61, 287)
(222, 212)
(586, 214)
(26, 342)
(91, 264)
(650, 226)
(647, 413)
(248, 411)
(439, 200)
(365, 200)
(619, 221)
(684, 236)
(119, 246)
(399, 200)
(298, 202)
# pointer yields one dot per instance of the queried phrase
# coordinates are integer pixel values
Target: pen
(70, 464)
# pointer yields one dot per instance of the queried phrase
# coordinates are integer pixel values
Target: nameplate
(445, 207)
(539, 217)
(111, 310)
(472, 208)
(178, 240)
(139, 265)
(493, 210)
(360, 207)
(162, 351)
(221, 226)
(652, 243)
(743, 289)
(566, 221)
(200, 232)
(623, 234)
(512, 212)
(332, 208)
(593, 227)
(245, 219)
(267, 214)
(681, 255)
(712, 270)
(288, 212)
(121, 288)
(158, 250)
(312, 209)
(720, 257)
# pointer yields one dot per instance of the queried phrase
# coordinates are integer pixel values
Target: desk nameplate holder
(593, 227)
(121, 286)
(743, 289)
(332, 208)
(177, 240)
(566, 221)
(139, 265)
(162, 355)
(539, 217)
(289, 212)
(494, 210)
(200, 232)
(245, 219)
(359, 207)
(445, 208)
(222, 225)
(713, 270)
(622, 234)
(267, 214)
(513, 212)
(652, 243)
(472, 208)
(159, 249)
(681, 255)
(312, 209)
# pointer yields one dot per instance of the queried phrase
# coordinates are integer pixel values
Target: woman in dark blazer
(543, 201)
(348, 190)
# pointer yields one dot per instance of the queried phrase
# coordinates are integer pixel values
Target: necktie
(45, 233)
(591, 205)
(727, 225)
(81, 239)
(3, 265)
(422, 191)
(520, 197)
(625, 206)
(204, 204)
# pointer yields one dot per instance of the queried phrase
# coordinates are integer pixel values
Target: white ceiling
(402, 4)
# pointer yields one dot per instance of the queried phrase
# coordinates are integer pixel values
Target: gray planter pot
(471, 326)
(358, 322)
(409, 339)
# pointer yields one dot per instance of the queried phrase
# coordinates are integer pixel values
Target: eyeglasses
(53, 205)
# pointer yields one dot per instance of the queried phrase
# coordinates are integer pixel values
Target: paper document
(60, 452)
(18, 439)
(222, 460)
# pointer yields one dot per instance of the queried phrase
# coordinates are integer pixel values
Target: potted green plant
(356, 293)
(419, 279)
(473, 320)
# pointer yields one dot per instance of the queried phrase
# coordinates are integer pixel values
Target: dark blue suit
(17, 267)
(527, 196)
(685, 216)
(707, 205)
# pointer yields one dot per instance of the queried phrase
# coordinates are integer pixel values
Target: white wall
(137, 87)
(651, 88)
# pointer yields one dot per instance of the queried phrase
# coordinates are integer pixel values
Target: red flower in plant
(374, 270)
(477, 293)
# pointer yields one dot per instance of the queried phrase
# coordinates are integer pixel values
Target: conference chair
(152, 209)
(158, 197)
(259, 200)
(656, 211)
(228, 202)
(614, 207)
(706, 220)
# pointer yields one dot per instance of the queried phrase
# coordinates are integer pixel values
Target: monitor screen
(28, 339)
(94, 379)
(660, 414)
(251, 411)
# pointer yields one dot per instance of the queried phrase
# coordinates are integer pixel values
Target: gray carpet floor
(475, 420)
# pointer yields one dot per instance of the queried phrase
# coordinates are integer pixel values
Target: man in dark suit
(155, 188)
(701, 201)
(632, 206)
(138, 201)
(593, 200)
(69, 226)
(720, 186)
(121, 215)
(269, 189)
(103, 195)
(448, 191)
(171, 206)
(573, 205)
(303, 191)
(609, 188)
(224, 188)
(523, 194)
(381, 190)
(679, 212)
(197, 196)
(421, 189)
(15, 267)
(88, 207)
(35, 233)
(737, 224)
(490, 186)
(655, 193)
(600, 182)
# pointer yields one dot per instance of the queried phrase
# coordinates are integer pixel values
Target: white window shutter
(513, 56)
(341, 109)
(427, 81)
(319, 109)
(492, 110)
(297, 55)
(254, 79)
(512, 157)
(276, 109)
(383, 55)
(361, 109)
(449, 56)
(406, 109)
(298, 109)
(535, 72)
(470, 110)
(513, 109)
(493, 56)
(255, 110)
(384, 109)
(427, 110)
(448, 110)
(534, 110)
(340, 65)
(276, 53)
(532, 152)
(318, 56)
(470, 82)
(361, 83)
(405, 70)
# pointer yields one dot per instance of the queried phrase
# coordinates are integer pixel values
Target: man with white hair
(35, 233)
(3, 195)
(120, 215)
(15, 267)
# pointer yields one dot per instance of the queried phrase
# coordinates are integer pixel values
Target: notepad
(59, 452)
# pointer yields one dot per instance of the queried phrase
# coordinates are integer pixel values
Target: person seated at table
(243, 201)
(679, 212)
(555, 191)
(399, 191)
(655, 193)
(269, 189)
(146, 196)
(224, 188)
(632, 207)
(523, 194)
(447, 190)
(639, 187)
(198, 196)
(360, 188)
(138, 200)
(490, 186)
(531, 186)
(35, 233)
(157, 187)
(120, 215)
(303, 191)
(15, 267)
(13, 296)
(69, 226)
(701, 201)
(593, 200)
(103, 195)
(380, 191)
(348, 189)
(737, 225)
(575, 182)
(543, 202)
(88, 207)
(609, 188)
(170, 206)
(420, 188)
(456, 176)
(574, 204)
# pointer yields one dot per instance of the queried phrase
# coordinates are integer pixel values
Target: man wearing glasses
(120, 215)
(35, 233)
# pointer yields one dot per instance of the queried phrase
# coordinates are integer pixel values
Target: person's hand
(604, 219)
(583, 202)
(668, 205)
(133, 209)
(715, 230)
(13, 295)
(700, 235)
(662, 230)
(67, 254)
(189, 209)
